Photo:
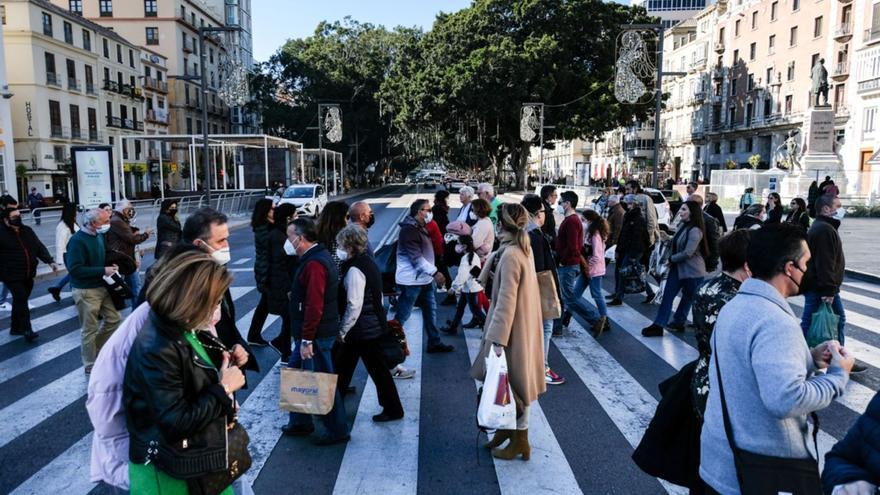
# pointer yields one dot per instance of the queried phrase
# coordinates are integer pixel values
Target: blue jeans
(596, 293)
(688, 288)
(580, 286)
(423, 297)
(133, 282)
(812, 301)
(334, 422)
(4, 293)
(548, 332)
(61, 283)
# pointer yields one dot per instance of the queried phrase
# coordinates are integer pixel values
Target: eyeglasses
(425, 209)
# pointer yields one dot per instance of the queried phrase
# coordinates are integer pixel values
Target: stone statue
(788, 151)
(820, 82)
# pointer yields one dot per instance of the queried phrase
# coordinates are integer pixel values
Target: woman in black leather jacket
(281, 265)
(179, 380)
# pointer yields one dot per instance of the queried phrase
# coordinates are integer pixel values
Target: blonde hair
(514, 219)
(187, 290)
(711, 197)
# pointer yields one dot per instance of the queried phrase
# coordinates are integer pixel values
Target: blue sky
(276, 21)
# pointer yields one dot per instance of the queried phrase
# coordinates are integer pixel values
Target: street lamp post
(206, 167)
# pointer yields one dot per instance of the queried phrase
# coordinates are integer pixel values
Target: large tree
(476, 67)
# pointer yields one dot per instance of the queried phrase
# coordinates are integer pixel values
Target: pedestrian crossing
(582, 433)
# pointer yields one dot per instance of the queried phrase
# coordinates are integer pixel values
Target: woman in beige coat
(514, 325)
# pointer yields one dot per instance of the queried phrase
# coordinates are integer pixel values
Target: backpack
(386, 259)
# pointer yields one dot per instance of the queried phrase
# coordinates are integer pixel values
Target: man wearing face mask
(569, 242)
(826, 269)
(86, 261)
(416, 273)
(361, 214)
(769, 376)
(20, 250)
(206, 229)
(122, 241)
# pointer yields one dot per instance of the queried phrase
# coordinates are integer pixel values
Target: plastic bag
(823, 326)
(497, 410)
(632, 276)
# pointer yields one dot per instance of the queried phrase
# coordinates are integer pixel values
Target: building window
(189, 125)
(109, 111)
(105, 7)
(72, 83)
(93, 124)
(735, 56)
(788, 102)
(750, 142)
(731, 145)
(75, 6)
(774, 10)
(769, 75)
(150, 9)
(753, 51)
(771, 44)
(68, 32)
(87, 40)
(817, 27)
(792, 36)
(106, 47)
(90, 80)
(51, 75)
(795, 5)
(789, 75)
(868, 121)
(152, 35)
(119, 53)
(74, 122)
(717, 147)
(47, 24)
(736, 28)
(751, 82)
(55, 118)
(131, 58)
(211, 55)
(755, 20)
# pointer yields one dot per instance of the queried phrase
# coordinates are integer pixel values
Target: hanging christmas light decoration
(634, 66)
(529, 124)
(333, 124)
(234, 89)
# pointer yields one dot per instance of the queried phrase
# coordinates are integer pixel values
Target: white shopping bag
(611, 252)
(497, 409)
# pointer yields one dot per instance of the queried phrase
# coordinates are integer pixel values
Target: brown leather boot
(599, 326)
(498, 438)
(519, 445)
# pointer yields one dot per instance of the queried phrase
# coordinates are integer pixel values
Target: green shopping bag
(823, 327)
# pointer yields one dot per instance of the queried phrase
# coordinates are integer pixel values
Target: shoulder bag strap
(728, 428)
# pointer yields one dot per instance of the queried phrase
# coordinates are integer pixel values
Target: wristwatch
(305, 342)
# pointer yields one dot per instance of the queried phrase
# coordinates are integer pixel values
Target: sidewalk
(860, 237)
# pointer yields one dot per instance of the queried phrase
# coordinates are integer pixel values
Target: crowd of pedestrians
(168, 373)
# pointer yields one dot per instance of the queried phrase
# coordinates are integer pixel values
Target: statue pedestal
(820, 159)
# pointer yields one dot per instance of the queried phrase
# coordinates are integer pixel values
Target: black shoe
(297, 430)
(328, 440)
(30, 336)
(566, 319)
(649, 299)
(257, 341)
(438, 348)
(15, 332)
(615, 302)
(56, 293)
(450, 329)
(449, 301)
(858, 368)
(385, 417)
(350, 390)
(557, 331)
(653, 330)
(676, 327)
(609, 297)
(474, 324)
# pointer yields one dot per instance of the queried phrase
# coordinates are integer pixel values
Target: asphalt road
(583, 433)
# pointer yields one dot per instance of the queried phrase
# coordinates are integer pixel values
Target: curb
(863, 276)
(149, 248)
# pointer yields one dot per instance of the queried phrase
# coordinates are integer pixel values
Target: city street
(582, 433)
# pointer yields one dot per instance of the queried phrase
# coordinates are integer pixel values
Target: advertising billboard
(92, 175)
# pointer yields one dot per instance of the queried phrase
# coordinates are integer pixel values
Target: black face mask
(172, 212)
(371, 221)
(15, 222)
(800, 289)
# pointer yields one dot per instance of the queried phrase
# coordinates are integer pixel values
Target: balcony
(156, 117)
(716, 99)
(56, 131)
(90, 89)
(841, 111)
(872, 36)
(843, 33)
(155, 85)
(95, 136)
(869, 86)
(77, 133)
(111, 86)
(845, 1)
(114, 122)
(52, 79)
(187, 49)
(718, 72)
(719, 47)
(698, 64)
(73, 84)
(841, 71)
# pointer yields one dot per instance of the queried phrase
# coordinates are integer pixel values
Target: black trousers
(20, 321)
(283, 341)
(260, 315)
(345, 359)
(444, 269)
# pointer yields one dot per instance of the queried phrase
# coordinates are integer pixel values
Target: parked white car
(661, 204)
(309, 199)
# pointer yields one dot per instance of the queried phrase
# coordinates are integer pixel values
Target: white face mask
(472, 216)
(429, 217)
(560, 210)
(222, 256)
(289, 249)
(342, 254)
(840, 213)
(103, 229)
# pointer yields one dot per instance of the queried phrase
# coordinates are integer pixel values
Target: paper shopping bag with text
(307, 392)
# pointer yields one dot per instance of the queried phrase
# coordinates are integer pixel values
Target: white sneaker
(5, 307)
(401, 373)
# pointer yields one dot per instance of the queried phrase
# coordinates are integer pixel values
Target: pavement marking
(67, 473)
(32, 409)
(262, 419)
(394, 444)
(624, 400)
(548, 471)
(241, 261)
(677, 352)
(43, 322)
(864, 286)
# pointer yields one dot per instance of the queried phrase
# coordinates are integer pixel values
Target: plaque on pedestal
(819, 130)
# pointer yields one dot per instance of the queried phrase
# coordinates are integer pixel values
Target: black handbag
(760, 474)
(237, 441)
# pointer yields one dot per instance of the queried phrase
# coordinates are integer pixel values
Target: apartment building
(54, 63)
(7, 150)
(563, 160)
(170, 28)
(155, 91)
(238, 13)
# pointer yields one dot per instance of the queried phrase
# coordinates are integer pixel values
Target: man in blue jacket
(417, 273)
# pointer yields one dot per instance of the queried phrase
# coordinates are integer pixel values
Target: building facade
(566, 160)
(7, 150)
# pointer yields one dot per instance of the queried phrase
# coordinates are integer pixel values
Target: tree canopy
(456, 91)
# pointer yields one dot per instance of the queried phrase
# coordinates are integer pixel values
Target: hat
(458, 228)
